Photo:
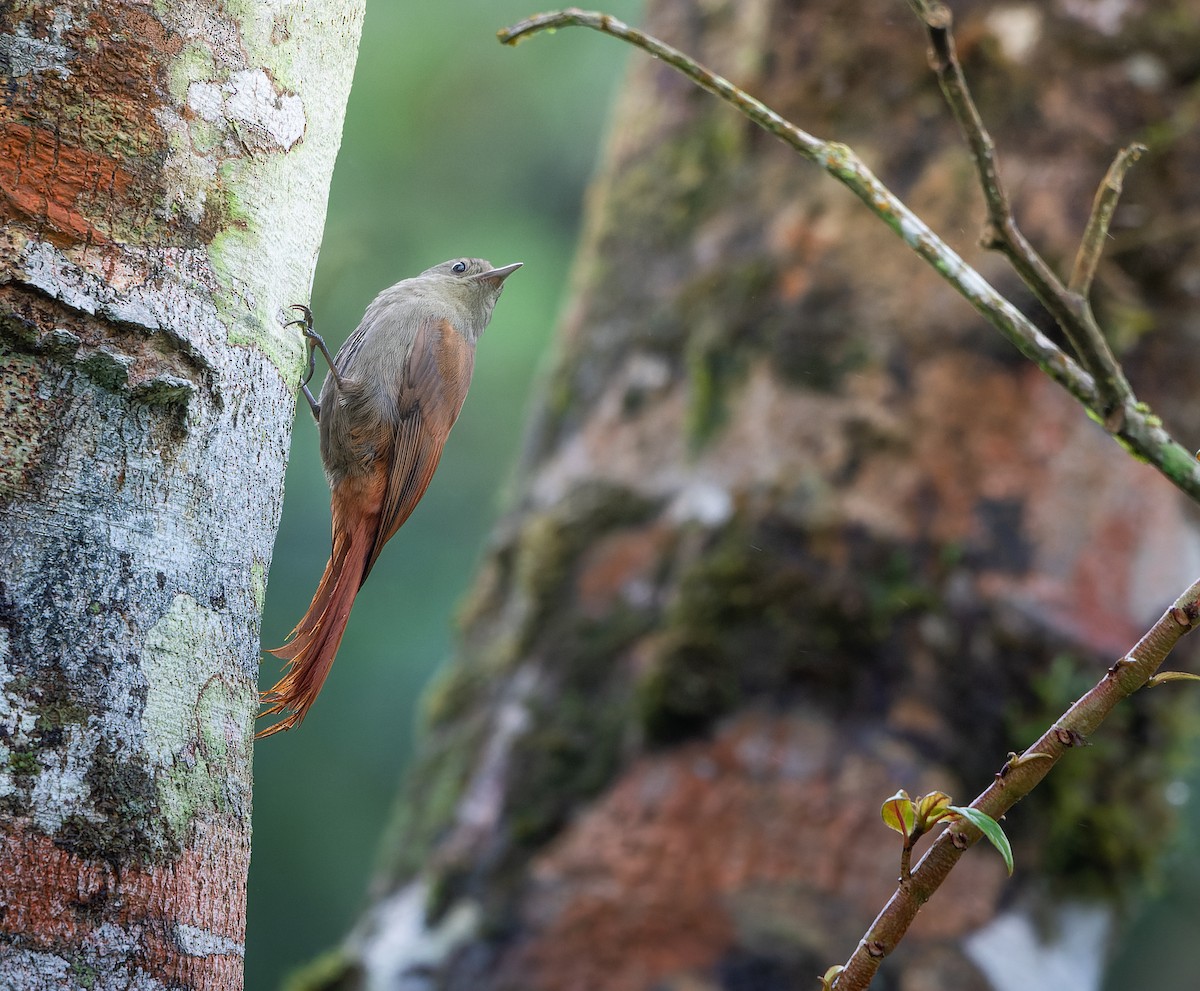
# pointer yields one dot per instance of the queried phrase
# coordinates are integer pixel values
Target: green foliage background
(453, 145)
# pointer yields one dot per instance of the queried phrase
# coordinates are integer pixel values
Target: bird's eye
(458, 267)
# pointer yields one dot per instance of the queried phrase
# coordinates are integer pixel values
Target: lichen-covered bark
(162, 185)
(796, 531)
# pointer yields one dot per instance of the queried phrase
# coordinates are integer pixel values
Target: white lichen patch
(482, 803)
(397, 947)
(61, 790)
(16, 720)
(1016, 29)
(250, 111)
(703, 502)
(1015, 954)
(124, 294)
(195, 721)
(1147, 71)
(56, 777)
(1104, 16)
(197, 942)
(25, 56)
(102, 962)
(15, 716)
(27, 970)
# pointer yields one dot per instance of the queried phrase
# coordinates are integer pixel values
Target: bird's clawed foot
(312, 341)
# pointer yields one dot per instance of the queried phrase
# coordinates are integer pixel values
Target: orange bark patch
(182, 922)
(45, 179)
(619, 565)
(771, 828)
(1086, 540)
(81, 149)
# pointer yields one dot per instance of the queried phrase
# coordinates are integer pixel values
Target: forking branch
(1100, 386)
(1068, 305)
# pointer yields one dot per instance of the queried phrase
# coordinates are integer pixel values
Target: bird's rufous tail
(314, 642)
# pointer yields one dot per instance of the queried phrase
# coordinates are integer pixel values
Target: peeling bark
(796, 530)
(163, 174)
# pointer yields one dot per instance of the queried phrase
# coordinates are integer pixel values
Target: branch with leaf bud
(1020, 774)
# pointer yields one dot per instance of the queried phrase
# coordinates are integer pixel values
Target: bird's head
(473, 283)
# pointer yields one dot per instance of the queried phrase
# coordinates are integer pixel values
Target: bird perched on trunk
(391, 396)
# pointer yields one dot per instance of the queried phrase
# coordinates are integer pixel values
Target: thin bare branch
(1016, 780)
(943, 59)
(810, 147)
(1131, 422)
(1069, 309)
(1092, 247)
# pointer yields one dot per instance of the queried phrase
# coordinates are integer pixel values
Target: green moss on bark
(577, 718)
(693, 682)
(125, 828)
(750, 624)
(568, 756)
(334, 970)
(427, 804)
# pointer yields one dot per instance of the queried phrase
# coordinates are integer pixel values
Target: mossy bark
(163, 172)
(797, 530)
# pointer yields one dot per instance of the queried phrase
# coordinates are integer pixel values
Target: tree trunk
(164, 174)
(797, 530)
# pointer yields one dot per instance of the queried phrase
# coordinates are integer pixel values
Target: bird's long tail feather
(314, 642)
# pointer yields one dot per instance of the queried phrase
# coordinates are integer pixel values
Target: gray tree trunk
(164, 173)
(796, 530)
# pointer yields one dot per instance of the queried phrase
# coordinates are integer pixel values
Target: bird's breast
(454, 359)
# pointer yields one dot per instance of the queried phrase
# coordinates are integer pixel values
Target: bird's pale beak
(497, 275)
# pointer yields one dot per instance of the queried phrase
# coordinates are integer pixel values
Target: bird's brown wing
(431, 391)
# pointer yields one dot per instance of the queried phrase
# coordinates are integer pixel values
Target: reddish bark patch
(81, 148)
(1075, 533)
(767, 835)
(620, 565)
(184, 923)
(45, 180)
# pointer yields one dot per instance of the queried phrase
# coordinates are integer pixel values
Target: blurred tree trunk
(795, 530)
(164, 174)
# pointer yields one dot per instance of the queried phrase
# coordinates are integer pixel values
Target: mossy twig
(1092, 246)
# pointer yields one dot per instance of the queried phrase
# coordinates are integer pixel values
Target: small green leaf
(830, 976)
(898, 813)
(1164, 676)
(991, 829)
